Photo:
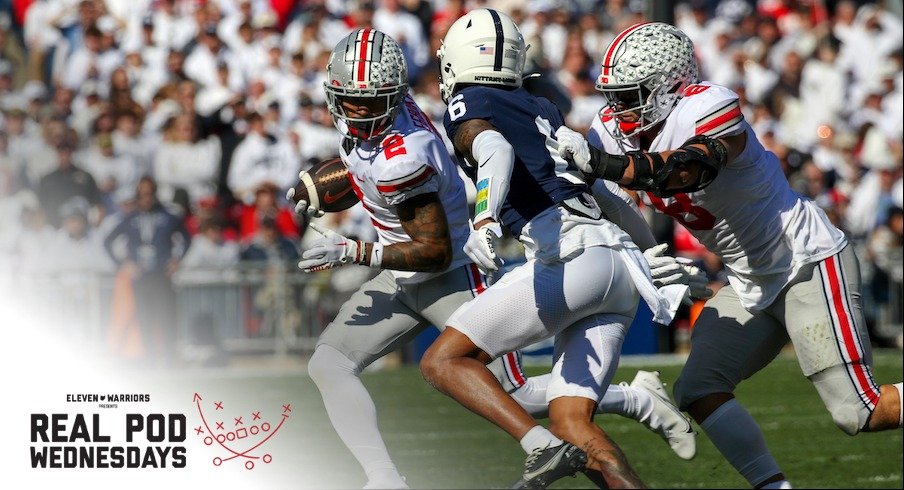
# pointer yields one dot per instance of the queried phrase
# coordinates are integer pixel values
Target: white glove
(302, 207)
(573, 146)
(333, 250)
(481, 247)
(667, 270)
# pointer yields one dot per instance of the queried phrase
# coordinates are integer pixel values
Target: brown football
(326, 186)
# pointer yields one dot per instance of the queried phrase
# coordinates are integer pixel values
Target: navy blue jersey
(528, 123)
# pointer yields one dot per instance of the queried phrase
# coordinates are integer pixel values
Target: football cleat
(666, 420)
(545, 466)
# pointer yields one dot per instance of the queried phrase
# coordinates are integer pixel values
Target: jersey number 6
(457, 107)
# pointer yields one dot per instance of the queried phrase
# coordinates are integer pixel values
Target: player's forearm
(413, 256)
(690, 168)
(430, 250)
(495, 158)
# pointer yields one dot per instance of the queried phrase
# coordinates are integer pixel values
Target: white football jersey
(762, 230)
(411, 160)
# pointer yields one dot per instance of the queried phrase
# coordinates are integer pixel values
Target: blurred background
(146, 146)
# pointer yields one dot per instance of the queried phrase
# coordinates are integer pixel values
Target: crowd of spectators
(218, 104)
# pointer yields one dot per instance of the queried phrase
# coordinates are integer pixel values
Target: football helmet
(482, 47)
(645, 71)
(367, 68)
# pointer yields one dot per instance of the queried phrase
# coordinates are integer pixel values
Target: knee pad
(846, 418)
(848, 410)
(326, 363)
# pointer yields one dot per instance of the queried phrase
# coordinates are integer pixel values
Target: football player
(409, 186)
(583, 277)
(686, 147)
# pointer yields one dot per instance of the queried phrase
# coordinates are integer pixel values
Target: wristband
(376, 255)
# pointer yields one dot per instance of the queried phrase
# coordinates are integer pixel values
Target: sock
(532, 396)
(619, 400)
(900, 388)
(740, 440)
(627, 402)
(538, 438)
(781, 484)
(352, 412)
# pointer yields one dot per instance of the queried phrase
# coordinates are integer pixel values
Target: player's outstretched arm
(689, 168)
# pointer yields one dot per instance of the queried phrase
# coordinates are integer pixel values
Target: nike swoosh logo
(688, 429)
(330, 199)
(488, 158)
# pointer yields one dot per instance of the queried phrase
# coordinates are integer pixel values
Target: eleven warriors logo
(244, 438)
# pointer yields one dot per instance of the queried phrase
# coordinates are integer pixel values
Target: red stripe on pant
(846, 325)
(514, 369)
(477, 279)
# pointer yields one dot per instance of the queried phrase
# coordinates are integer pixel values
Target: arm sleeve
(495, 162)
(620, 209)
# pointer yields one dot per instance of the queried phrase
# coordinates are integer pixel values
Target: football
(326, 185)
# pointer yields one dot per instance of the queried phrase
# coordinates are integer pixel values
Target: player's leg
(577, 385)
(644, 400)
(509, 315)
(730, 344)
(825, 321)
(370, 324)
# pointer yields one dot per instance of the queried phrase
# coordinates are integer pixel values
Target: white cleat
(665, 419)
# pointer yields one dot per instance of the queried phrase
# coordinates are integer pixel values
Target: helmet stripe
(362, 55)
(500, 38)
(607, 68)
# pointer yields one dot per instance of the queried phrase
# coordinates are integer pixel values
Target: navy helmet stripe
(500, 38)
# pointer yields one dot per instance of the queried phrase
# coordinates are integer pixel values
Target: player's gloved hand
(333, 250)
(667, 270)
(573, 146)
(481, 247)
(302, 206)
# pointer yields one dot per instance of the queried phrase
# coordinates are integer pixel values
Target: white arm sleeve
(495, 160)
(620, 209)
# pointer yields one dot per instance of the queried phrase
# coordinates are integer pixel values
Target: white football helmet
(482, 47)
(367, 65)
(645, 71)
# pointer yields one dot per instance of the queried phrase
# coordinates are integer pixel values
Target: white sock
(900, 388)
(532, 396)
(627, 402)
(352, 412)
(538, 438)
(737, 436)
(781, 484)
(619, 400)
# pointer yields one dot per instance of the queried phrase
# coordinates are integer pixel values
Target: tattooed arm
(430, 248)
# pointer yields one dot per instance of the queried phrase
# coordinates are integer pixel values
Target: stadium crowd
(199, 114)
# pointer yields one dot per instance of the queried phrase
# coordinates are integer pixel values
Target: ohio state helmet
(645, 70)
(482, 47)
(367, 65)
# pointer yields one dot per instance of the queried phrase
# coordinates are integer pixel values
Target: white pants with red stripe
(820, 313)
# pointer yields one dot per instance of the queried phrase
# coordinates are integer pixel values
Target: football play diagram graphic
(253, 433)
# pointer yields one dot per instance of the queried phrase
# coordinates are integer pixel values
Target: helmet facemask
(639, 106)
(383, 104)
